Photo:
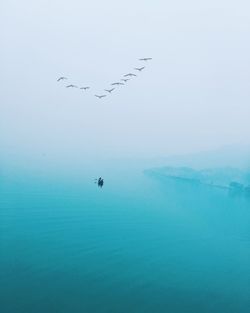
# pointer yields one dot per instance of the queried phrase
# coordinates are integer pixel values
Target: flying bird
(71, 86)
(125, 79)
(129, 74)
(118, 83)
(145, 59)
(61, 78)
(139, 68)
(84, 88)
(102, 96)
(109, 90)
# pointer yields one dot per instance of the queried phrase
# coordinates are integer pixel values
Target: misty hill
(221, 177)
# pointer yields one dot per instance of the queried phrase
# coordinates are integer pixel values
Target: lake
(137, 245)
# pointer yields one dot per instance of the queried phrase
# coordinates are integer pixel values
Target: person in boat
(100, 182)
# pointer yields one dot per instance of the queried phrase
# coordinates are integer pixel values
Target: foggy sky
(193, 96)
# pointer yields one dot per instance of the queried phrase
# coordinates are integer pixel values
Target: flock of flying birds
(122, 81)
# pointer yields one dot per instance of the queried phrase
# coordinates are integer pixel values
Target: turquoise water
(138, 245)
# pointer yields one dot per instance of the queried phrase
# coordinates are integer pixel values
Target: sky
(193, 96)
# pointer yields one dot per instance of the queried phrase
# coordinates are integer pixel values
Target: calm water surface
(138, 245)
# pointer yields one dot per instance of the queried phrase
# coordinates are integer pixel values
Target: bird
(84, 88)
(139, 68)
(102, 96)
(109, 90)
(62, 78)
(129, 74)
(118, 83)
(71, 86)
(145, 59)
(125, 79)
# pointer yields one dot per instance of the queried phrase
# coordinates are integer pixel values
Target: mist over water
(143, 243)
(140, 244)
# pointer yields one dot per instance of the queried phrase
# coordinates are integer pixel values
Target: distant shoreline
(233, 185)
(184, 179)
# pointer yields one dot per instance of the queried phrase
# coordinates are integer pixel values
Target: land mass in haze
(227, 167)
(228, 177)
